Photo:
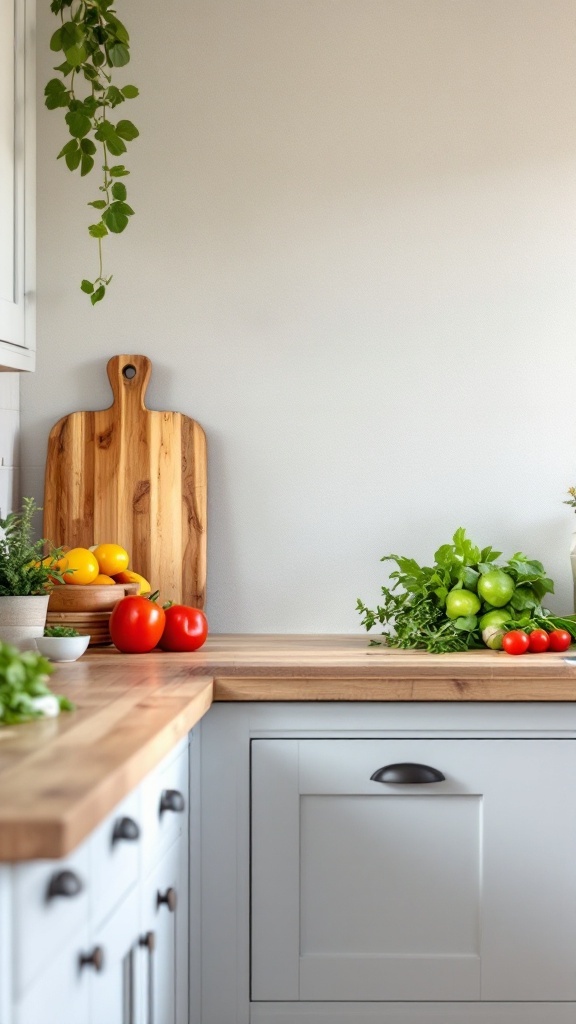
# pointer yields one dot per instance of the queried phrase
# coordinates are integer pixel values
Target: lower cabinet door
(164, 940)
(62, 994)
(110, 959)
(374, 878)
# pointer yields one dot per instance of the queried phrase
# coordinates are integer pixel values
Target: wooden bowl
(69, 597)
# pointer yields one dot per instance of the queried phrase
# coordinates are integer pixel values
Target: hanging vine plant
(94, 43)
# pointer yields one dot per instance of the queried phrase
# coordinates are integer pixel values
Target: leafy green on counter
(24, 693)
(413, 611)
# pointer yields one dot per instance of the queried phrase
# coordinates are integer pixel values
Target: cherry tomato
(560, 640)
(186, 628)
(515, 642)
(539, 641)
(136, 624)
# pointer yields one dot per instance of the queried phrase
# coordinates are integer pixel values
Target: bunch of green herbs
(23, 686)
(24, 570)
(413, 612)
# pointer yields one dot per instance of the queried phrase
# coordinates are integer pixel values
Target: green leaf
(120, 30)
(65, 68)
(87, 164)
(56, 40)
(114, 96)
(78, 124)
(87, 287)
(54, 87)
(104, 131)
(115, 220)
(76, 54)
(116, 145)
(73, 159)
(118, 171)
(87, 146)
(118, 55)
(130, 92)
(98, 204)
(98, 59)
(98, 295)
(98, 230)
(70, 147)
(119, 190)
(56, 100)
(127, 130)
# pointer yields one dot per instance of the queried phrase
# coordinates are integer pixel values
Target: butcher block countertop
(60, 777)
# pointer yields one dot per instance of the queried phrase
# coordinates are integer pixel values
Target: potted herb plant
(26, 577)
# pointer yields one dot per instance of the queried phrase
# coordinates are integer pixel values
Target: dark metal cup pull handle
(407, 773)
(172, 800)
(64, 883)
(125, 828)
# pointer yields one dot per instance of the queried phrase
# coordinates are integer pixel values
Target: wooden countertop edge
(30, 836)
(411, 688)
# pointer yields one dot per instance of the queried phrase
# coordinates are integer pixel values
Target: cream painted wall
(354, 261)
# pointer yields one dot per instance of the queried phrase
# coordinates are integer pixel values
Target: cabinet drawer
(51, 899)
(61, 994)
(375, 877)
(165, 804)
(115, 851)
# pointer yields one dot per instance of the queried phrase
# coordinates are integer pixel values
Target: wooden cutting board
(135, 477)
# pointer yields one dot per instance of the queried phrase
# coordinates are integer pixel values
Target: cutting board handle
(129, 376)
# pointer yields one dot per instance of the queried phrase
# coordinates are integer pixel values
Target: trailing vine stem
(93, 39)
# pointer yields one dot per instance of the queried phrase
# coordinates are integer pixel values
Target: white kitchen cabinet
(164, 939)
(403, 890)
(350, 900)
(17, 185)
(80, 956)
(62, 994)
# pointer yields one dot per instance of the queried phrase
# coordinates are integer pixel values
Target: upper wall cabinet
(17, 185)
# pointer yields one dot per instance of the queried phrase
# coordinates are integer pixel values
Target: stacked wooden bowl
(87, 609)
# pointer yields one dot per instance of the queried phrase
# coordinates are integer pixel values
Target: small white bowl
(62, 648)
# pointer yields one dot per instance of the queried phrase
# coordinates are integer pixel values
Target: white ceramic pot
(62, 648)
(22, 619)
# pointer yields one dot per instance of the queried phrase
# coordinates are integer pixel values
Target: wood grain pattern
(60, 777)
(136, 477)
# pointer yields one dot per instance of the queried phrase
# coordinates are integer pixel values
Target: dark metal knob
(125, 828)
(407, 773)
(169, 898)
(64, 883)
(172, 800)
(94, 959)
(148, 941)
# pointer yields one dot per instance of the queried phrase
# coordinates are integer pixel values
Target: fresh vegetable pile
(466, 600)
(24, 694)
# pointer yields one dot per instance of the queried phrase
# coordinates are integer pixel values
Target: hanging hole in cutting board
(129, 371)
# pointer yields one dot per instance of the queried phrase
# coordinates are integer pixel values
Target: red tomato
(515, 642)
(136, 624)
(186, 628)
(560, 640)
(539, 641)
